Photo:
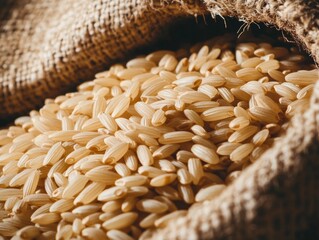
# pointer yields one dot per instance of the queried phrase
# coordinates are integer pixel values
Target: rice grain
(209, 192)
(121, 221)
(143, 142)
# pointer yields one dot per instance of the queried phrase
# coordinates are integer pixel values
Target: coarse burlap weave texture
(47, 47)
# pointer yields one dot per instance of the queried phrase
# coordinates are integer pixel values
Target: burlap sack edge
(239, 204)
(72, 49)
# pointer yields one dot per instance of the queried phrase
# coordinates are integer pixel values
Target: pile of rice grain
(140, 144)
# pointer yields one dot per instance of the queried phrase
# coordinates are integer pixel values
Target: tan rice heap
(140, 144)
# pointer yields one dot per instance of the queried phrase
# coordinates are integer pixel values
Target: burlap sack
(47, 47)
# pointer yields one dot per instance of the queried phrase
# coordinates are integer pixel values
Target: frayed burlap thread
(48, 47)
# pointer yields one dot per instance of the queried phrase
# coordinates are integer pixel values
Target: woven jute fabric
(48, 47)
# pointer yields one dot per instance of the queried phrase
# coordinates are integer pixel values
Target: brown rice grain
(204, 141)
(82, 211)
(62, 136)
(186, 193)
(76, 155)
(144, 110)
(121, 221)
(168, 192)
(153, 89)
(92, 124)
(242, 134)
(99, 106)
(193, 96)
(77, 226)
(151, 206)
(184, 177)
(158, 118)
(75, 186)
(9, 204)
(59, 179)
(242, 152)
(122, 169)
(108, 122)
(102, 174)
(128, 204)
(7, 230)
(184, 155)
(285, 91)
(46, 218)
(264, 115)
(175, 137)
(241, 112)
(62, 205)
(163, 180)
(118, 235)
(260, 137)
(115, 153)
(305, 92)
(111, 206)
(163, 221)
(130, 73)
(65, 232)
(92, 219)
(221, 135)
(266, 102)
(253, 87)
(60, 166)
(268, 65)
(144, 155)
(7, 157)
(233, 83)
(195, 169)
(209, 192)
(147, 140)
(239, 123)
(28, 232)
(166, 165)
(130, 181)
(37, 199)
(203, 106)
(131, 160)
(150, 171)
(149, 220)
(89, 193)
(226, 94)
(137, 191)
(84, 137)
(276, 75)
(97, 144)
(189, 81)
(240, 56)
(225, 72)
(302, 77)
(31, 183)
(113, 193)
(208, 90)
(93, 233)
(227, 148)
(248, 74)
(218, 113)
(20, 146)
(205, 154)
(214, 80)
